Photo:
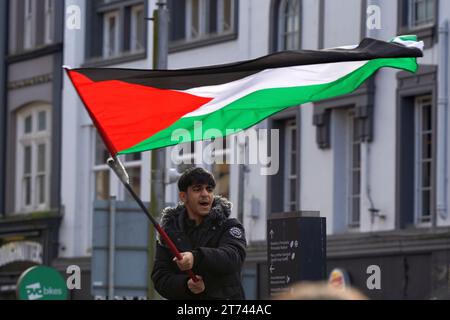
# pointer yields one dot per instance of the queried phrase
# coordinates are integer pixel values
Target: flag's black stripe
(183, 79)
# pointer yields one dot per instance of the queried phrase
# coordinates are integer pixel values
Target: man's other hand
(196, 287)
(187, 261)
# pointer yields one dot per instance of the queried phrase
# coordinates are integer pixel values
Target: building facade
(30, 126)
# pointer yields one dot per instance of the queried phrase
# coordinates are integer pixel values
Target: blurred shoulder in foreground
(320, 291)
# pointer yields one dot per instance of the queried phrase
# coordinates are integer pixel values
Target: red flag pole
(116, 165)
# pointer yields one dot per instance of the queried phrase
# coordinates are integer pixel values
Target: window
(424, 159)
(196, 20)
(111, 34)
(48, 33)
(104, 185)
(419, 17)
(137, 29)
(416, 146)
(288, 25)
(290, 172)
(117, 31)
(421, 13)
(33, 159)
(354, 172)
(28, 24)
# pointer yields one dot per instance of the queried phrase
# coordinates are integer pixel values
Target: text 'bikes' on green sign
(41, 283)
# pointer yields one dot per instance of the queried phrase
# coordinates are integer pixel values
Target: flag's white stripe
(296, 76)
(409, 43)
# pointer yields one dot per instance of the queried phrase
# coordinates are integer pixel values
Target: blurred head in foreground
(320, 291)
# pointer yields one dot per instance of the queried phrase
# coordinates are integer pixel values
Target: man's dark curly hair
(194, 176)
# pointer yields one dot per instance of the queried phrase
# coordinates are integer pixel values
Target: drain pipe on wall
(373, 211)
(442, 124)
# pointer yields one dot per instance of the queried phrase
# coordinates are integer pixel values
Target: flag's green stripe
(257, 106)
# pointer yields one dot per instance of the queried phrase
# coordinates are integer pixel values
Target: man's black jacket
(218, 248)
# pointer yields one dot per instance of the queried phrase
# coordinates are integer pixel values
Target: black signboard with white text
(296, 249)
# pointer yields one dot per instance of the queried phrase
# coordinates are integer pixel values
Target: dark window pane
(42, 121)
(356, 130)
(356, 189)
(27, 160)
(41, 188)
(112, 36)
(356, 155)
(355, 210)
(212, 28)
(426, 174)
(293, 190)
(28, 124)
(41, 158)
(427, 146)
(27, 191)
(426, 118)
(294, 139)
(177, 22)
(293, 163)
(426, 205)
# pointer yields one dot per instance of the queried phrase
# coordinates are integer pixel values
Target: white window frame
(106, 45)
(134, 29)
(420, 102)
(282, 32)
(351, 170)
(290, 126)
(28, 24)
(49, 21)
(203, 15)
(413, 24)
(221, 16)
(98, 167)
(33, 139)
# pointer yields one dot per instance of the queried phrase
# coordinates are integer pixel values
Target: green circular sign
(41, 283)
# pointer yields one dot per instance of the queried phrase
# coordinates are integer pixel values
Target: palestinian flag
(138, 110)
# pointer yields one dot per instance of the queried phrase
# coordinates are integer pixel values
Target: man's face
(198, 200)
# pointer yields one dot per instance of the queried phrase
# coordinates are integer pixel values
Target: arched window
(288, 35)
(33, 158)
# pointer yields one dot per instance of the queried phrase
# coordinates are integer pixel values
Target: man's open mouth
(204, 204)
